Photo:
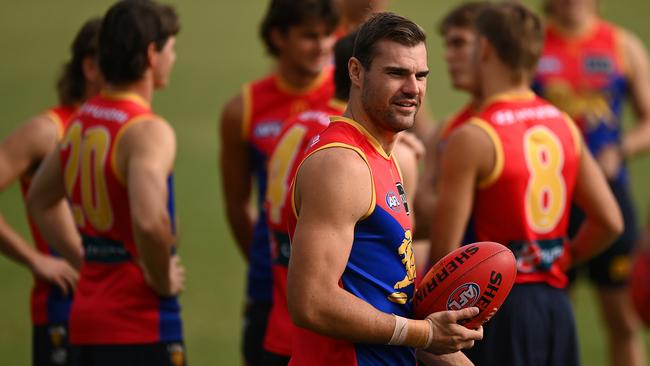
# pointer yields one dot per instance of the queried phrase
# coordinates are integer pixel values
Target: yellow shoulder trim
(498, 152)
(338, 104)
(621, 54)
(247, 106)
(118, 137)
(575, 133)
(284, 85)
(373, 201)
(134, 97)
(373, 141)
(57, 122)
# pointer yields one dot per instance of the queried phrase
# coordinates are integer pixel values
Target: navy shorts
(533, 327)
(155, 354)
(256, 318)
(50, 345)
(612, 267)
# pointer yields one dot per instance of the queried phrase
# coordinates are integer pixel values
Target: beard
(386, 114)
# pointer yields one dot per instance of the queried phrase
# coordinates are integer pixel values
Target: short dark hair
(128, 28)
(462, 16)
(71, 85)
(516, 34)
(385, 26)
(342, 53)
(283, 14)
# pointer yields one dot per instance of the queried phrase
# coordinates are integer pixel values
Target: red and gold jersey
(381, 267)
(48, 304)
(453, 123)
(268, 104)
(113, 303)
(283, 163)
(524, 202)
(586, 77)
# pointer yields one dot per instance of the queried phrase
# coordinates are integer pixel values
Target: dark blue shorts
(50, 345)
(534, 327)
(610, 268)
(155, 354)
(256, 318)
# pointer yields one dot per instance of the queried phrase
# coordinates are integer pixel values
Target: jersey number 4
(88, 155)
(546, 189)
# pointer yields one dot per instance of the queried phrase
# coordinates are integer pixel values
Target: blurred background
(218, 49)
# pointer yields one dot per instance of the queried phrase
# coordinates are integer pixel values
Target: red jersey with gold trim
(48, 304)
(283, 163)
(113, 303)
(524, 203)
(454, 122)
(585, 76)
(380, 268)
(268, 104)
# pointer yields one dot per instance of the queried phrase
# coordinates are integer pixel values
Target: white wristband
(400, 331)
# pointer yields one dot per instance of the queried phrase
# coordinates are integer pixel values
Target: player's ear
(484, 48)
(277, 38)
(152, 54)
(355, 70)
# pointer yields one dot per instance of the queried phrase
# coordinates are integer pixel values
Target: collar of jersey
(373, 141)
(130, 96)
(508, 97)
(290, 89)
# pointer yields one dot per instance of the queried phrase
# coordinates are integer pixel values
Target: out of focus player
(514, 169)
(351, 270)
(457, 31)
(299, 36)
(114, 166)
(589, 68)
(356, 12)
(20, 155)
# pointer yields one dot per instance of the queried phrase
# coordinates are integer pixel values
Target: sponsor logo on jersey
(392, 201)
(267, 129)
(402, 194)
(463, 296)
(598, 64)
(549, 65)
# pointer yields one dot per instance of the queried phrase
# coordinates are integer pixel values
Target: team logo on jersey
(314, 140)
(393, 202)
(598, 64)
(549, 65)
(537, 256)
(405, 251)
(463, 296)
(402, 194)
(267, 129)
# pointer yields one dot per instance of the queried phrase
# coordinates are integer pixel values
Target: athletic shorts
(272, 359)
(612, 267)
(50, 345)
(256, 317)
(533, 327)
(156, 354)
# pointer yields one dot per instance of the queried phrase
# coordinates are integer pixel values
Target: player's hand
(610, 160)
(412, 142)
(176, 276)
(56, 271)
(448, 335)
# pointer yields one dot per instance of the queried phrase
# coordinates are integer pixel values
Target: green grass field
(218, 49)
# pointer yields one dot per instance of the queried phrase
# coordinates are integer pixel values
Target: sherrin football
(479, 274)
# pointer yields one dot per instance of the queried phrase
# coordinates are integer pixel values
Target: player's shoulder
(151, 127)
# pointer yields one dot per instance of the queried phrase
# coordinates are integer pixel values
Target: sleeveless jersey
(268, 103)
(283, 163)
(380, 268)
(454, 122)
(586, 77)
(113, 303)
(48, 304)
(524, 202)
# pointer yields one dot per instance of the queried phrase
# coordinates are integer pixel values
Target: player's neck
(501, 82)
(143, 88)
(296, 79)
(575, 27)
(385, 138)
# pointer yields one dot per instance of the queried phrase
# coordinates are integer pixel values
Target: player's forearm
(14, 246)
(637, 141)
(241, 221)
(592, 238)
(154, 240)
(58, 229)
(339, 314)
